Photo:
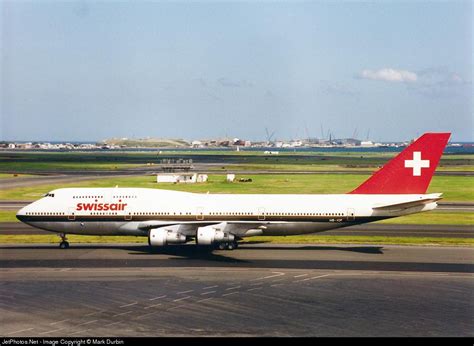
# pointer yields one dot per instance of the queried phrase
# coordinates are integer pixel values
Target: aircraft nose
(21, 214)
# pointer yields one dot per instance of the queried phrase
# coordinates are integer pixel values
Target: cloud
(389, 75)
(433, 82)
(436, 82)
(228, 83)
(440, 76)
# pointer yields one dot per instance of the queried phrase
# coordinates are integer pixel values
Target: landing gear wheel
(231, 246)
(64, 243)
(222, 246)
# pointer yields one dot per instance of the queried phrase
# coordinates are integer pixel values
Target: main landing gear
(64, 244)
(228, 246)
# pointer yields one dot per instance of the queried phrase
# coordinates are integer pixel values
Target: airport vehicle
(171, 217)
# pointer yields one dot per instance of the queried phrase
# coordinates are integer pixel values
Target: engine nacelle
(165, 235)
(209, 235)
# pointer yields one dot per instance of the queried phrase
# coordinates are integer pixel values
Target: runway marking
(143, 316)
(185, 292)
(203, 300)
(175, 307)
(83, 324)
(123, 313)
(52, 324)
(111, 324)
(276, 274)
(254, 289)
(256, 284)
(158, 297)
(124, 306)
(209, 287)
(209, 292)
(52, 331)
(232, 288)
(315, 277)
(152, 306)
(228, 294)
(301, 275)
(180, 299)
(19, 331)
(276, 285)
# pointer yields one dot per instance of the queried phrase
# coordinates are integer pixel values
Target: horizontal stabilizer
(410, 204)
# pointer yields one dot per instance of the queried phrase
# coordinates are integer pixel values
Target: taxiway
(257, 290)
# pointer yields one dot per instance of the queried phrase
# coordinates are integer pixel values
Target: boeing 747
(221, 220)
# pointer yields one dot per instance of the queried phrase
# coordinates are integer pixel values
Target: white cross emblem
(417, 163)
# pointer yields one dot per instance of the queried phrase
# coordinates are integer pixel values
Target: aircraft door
(71, 214)
(261, 214)
(350, 214)
(199, 213)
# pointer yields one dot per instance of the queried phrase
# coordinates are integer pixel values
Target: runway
(55, 178)
(257, 290)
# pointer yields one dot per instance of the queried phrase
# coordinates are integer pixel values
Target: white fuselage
(134, 211)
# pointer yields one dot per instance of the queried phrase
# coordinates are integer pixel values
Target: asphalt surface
(257, 290)
(383, 230)
(13, 183)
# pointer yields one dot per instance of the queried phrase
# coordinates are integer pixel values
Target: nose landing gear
(64, 244)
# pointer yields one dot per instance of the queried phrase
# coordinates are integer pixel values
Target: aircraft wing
(239, 228)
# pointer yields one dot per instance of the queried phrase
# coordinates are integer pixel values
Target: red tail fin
(410, 172)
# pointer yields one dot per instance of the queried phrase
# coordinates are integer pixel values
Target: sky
(91, 70)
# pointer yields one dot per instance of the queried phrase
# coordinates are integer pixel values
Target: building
(187, 178)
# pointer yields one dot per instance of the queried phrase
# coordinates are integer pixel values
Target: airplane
(221, 220)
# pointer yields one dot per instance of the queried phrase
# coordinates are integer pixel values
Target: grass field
(66, 161)
(12, 175)
(8, 216)
(453, 188)
(433, 218)
(313, 167)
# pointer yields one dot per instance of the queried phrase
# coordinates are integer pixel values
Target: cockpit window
(48, 194)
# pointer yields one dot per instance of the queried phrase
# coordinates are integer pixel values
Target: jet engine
(165, 235)
(213, 234)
